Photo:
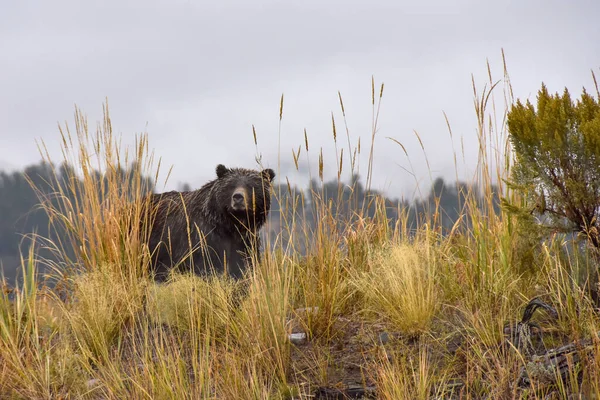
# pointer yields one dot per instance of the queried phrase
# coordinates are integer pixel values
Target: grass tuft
(401, 288)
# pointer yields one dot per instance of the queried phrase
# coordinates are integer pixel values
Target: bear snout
(238, 199)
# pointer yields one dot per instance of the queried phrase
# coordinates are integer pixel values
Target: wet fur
(210, 210)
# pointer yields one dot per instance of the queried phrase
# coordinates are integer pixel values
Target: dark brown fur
(222, 211)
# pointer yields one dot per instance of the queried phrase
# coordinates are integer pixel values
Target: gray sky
(196, 75)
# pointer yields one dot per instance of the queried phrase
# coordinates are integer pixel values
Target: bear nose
(238, 197)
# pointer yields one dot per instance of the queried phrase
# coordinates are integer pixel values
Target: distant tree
(557, 166)
(20, 214)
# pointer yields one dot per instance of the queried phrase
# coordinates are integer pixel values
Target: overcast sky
(197, 74)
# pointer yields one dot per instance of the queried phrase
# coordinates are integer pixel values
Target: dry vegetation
(395, 313)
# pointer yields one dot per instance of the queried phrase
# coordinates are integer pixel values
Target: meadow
(366, 309)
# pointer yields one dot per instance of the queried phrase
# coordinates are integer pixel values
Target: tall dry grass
(109, 332)
(401, 287)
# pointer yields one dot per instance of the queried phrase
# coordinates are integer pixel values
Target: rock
(298, 338)
(306, 310)
(384, 337)
(92, 383)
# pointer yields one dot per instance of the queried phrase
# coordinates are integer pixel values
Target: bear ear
(268, 174)
(221, 170)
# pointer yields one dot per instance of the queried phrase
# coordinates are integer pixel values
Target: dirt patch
(342, 365)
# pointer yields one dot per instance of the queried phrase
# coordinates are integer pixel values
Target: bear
(220, 221)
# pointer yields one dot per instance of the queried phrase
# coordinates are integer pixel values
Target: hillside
(356, 296)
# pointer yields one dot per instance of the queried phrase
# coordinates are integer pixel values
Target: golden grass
(192, 304)
(102, 308)
(112, 333)
(401, 287)
(402, 376)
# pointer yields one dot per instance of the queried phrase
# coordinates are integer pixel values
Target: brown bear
(219, 223)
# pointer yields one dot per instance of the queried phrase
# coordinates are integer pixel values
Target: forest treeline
(20, 216)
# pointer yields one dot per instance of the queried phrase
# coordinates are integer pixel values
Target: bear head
(244, 194)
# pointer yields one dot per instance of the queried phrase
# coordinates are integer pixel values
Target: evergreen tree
(557, 166)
